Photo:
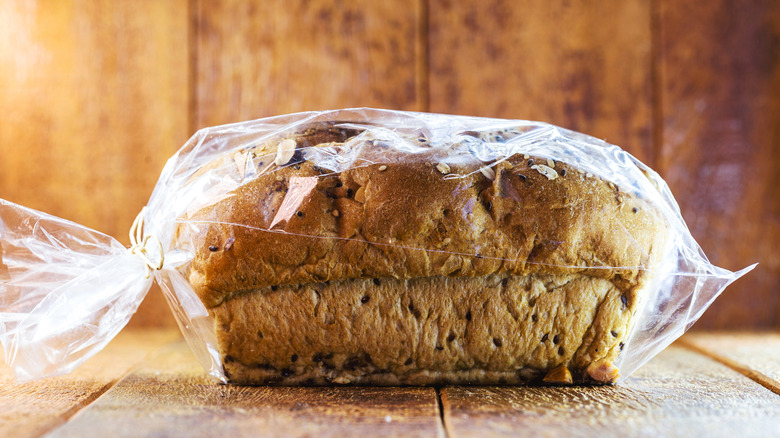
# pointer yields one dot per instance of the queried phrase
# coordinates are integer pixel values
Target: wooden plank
(33, 408)
(756, 355)
(170, 395)
(261, 58)
(94, 98)
(720, 104)
(581, 65)
(677, 394)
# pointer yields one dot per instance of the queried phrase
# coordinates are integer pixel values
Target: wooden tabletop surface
(147, 383)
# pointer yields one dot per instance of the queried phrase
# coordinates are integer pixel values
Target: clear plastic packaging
(66, 291)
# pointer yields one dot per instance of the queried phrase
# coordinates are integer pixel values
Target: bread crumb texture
(493, 329)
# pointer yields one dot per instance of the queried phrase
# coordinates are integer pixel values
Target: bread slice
(421, 267)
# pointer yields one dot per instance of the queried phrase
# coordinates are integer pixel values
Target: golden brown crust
(415, 223)
(284, 262)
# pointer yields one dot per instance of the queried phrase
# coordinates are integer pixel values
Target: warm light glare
(20, 53)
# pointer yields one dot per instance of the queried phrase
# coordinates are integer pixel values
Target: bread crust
(407, 218)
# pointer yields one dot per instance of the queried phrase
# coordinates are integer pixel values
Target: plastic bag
(66, 291)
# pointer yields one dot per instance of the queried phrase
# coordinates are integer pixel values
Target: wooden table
(147, 383)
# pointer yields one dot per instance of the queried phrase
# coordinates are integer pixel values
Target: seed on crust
(560, 375)
(488, 172)
(382, 168)
(285, 151)
(360, 195)
(603, 371)
(443, 168)
(547, 171)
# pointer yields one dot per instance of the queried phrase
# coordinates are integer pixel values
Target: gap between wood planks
(78, 407)
(422, 49)
(442, 418)
(656, 82)
(754, 375)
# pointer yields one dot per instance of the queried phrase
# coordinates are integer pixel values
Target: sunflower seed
(360, 195)
(488, 172)
(285, 151)
(443, 168)
(549, 172)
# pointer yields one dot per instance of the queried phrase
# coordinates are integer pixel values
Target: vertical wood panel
(96, 95)
(262, 58)
(720, 103)
(582, 65)
(94, 98)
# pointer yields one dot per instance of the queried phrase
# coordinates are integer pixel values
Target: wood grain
(94, 98)
(97, 95)
(581, 65)
(677, 394)
(262, 58)
(33, 408)
(719, 72)
(171, 395)
(755, 355)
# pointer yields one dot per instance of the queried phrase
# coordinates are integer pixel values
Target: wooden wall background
(95, 95)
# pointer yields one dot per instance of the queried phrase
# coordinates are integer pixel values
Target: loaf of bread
(419, 264)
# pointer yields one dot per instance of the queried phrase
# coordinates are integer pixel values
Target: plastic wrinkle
(66, 290)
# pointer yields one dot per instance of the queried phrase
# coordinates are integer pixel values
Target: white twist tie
(139, 245)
